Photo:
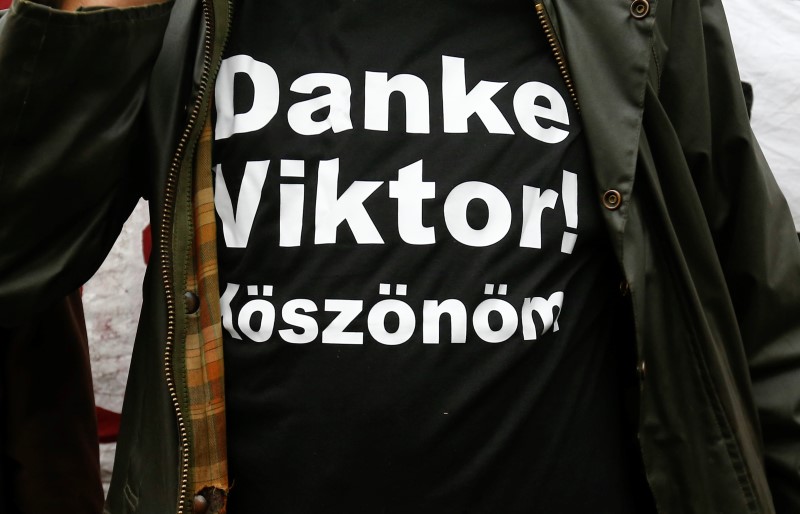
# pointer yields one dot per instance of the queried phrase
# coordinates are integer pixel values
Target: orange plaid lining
(205, 373)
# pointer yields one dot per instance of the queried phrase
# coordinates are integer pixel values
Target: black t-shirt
(418, 293)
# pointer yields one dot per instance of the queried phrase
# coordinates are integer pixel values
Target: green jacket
(703, 236)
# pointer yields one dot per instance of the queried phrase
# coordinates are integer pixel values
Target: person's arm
(72, 85)
(752, 227)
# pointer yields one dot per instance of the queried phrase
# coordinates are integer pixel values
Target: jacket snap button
(624, 288)
(640, 9)
(200, 504)
(641, 370)
(192, 302)
(612, 199)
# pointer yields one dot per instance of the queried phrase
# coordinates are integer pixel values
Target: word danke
(538, 107)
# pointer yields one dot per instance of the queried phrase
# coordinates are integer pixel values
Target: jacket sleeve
(752, 228)
(72, 85)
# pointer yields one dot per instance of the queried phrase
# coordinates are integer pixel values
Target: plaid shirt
(205, 371)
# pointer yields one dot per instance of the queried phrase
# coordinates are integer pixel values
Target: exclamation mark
(569, 197)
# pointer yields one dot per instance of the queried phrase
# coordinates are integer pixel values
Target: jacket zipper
(558, 51)
(165, 253)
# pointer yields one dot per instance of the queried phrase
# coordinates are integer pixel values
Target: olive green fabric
(703, 234)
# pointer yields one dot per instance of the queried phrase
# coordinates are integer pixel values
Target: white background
(766, 38)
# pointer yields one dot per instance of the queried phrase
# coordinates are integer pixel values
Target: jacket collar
(608, 52)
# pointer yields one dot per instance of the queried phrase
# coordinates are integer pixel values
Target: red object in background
(107, 425)
(147, 242)
(5, 4)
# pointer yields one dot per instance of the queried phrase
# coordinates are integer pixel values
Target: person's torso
(417, 289)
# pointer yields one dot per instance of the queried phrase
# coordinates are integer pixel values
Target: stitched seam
(131, 499)
(658, 69)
